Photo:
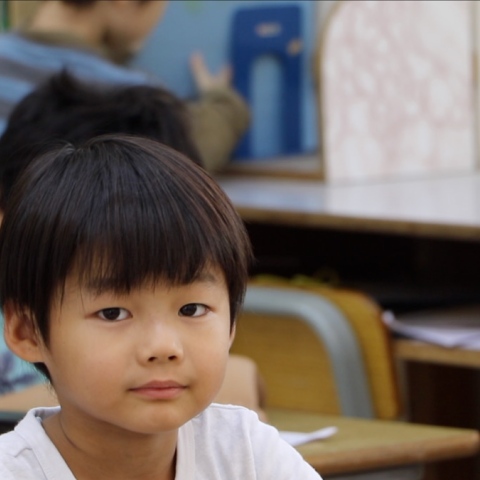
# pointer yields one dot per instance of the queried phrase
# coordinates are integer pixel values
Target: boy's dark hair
(118, 212)
(66, 109)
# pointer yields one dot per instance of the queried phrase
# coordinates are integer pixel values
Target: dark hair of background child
(66, 109)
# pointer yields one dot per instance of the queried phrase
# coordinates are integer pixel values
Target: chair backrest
(274, 31)
(319, 349)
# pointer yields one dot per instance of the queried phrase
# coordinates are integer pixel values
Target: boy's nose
(163, 343)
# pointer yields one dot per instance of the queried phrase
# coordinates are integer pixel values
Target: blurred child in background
(90, 39)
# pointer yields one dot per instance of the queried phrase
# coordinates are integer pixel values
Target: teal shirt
(15, 373)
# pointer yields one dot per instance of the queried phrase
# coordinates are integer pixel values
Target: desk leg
(447, 396)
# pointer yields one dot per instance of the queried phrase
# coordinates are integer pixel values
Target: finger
(196, 62)
(226, 74)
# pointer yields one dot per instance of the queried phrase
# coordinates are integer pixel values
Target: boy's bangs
(119, 253)
(139, 223)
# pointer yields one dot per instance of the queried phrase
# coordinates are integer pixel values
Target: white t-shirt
(223, 442)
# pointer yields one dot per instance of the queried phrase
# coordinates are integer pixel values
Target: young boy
(68, 110)
(122, 269)
(90, 38)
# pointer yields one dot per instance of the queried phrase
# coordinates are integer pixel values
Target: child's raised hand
(204, 79)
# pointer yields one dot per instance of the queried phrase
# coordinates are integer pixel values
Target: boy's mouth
(160, 390)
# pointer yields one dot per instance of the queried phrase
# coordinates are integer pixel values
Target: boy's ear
(21, 335)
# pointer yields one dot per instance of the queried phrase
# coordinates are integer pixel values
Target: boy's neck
(57, 18)
(90, 457)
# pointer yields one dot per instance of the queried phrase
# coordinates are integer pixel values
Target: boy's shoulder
(232, 419)
(16, 458)
(27, 452)
(228, 441)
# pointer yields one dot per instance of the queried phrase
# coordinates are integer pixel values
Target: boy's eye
(193, 310)
(114, 313)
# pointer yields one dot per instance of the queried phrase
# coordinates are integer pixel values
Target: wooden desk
(416, 351)
(369, 445)
(441, 207)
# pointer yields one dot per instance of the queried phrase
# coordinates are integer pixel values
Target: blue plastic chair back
(273, 31)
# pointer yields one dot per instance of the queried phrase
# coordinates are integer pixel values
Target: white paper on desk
(448, 327)
(299, 438)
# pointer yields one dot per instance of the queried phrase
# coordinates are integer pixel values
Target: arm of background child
(219, 117)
